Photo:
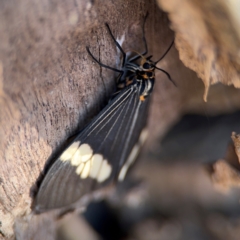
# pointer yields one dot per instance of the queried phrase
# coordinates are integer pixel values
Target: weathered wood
(208, 38)
(50, 87)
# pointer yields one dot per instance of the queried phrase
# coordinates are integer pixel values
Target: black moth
(102, 153)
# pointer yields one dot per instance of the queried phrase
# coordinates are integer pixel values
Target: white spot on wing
(80, 168)
(85, 151)
(129, 162)
(96, 163)
(86, 170)
(143, 136)
(133, 154)
(87, 164)
(76, 159)
(105, 171)
(68, 153)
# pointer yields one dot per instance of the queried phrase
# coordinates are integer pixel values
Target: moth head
(147, 64)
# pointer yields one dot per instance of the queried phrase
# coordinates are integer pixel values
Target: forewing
(98, 153)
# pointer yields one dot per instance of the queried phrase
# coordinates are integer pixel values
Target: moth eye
(146, 65)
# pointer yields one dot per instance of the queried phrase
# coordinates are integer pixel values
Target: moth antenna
(168, 75)
(165, 53)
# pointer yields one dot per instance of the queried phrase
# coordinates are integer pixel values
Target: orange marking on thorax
(142, 98)
(129, 82)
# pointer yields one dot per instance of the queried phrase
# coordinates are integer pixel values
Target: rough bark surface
(50, 88)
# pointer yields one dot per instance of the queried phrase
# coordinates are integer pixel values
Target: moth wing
(98, 153)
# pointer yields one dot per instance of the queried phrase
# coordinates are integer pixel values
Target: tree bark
(50, 87)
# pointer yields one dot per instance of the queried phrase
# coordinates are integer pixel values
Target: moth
(102, 152)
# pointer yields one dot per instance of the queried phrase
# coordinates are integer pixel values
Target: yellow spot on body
(96, 163)
(85, 152)
(129, 162)
(69, 152)
(142, 98)
(86, 170)
(145, 76)
(80, 168)
(105, 171)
